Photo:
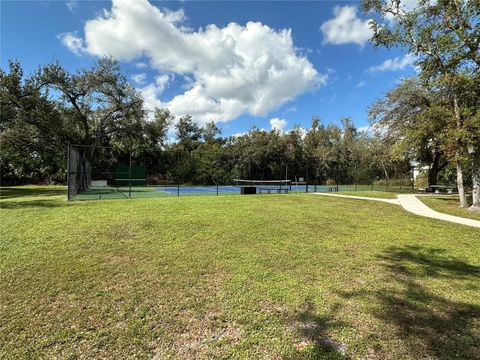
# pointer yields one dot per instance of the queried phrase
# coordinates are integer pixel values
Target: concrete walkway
(390, 201)
(410, 203)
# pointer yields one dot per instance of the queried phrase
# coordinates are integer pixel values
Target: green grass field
(372, 194)
(233, 277)
(449, 205)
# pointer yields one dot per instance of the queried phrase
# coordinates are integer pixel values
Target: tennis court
(154, 191)
(110, 192)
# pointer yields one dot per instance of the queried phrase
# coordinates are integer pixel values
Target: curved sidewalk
(412, 204)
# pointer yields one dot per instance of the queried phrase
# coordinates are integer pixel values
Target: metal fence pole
(356, 176)
(68, 172)
(130, 177)
(336, 178)
(306, 177)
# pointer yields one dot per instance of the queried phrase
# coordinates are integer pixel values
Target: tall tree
(32, 130)
(102, 108)
(412, 119)
(99, 101)
(445, 36)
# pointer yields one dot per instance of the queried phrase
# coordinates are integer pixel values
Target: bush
(421, 182)
(331, 182)
(156, 180)
(405, 182)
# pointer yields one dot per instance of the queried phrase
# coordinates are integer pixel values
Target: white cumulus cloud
(278, 124)
(73, 42)
(346, 27)
(152, 91)
(235, 70)
(395, 64)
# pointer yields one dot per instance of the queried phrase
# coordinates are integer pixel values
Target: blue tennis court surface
(106, 193)
(199, 189)
(236, 189)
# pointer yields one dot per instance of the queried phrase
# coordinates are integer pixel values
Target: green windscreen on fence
(124, 175)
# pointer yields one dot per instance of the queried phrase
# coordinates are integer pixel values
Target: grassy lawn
(233, 277)
(369, 193)
(449, 205)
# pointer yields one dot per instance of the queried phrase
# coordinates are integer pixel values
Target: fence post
(336, 178)
(68, 172)
(306, 176)
(130, 177)
(356, 176)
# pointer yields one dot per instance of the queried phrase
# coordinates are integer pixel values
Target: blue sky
(262, 64)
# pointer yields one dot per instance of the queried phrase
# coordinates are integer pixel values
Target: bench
(437, 189)
(98, 183)
(277, 190)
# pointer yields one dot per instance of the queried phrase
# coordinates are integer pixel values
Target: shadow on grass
(430, 325)
(32, 204)
(7, 192)
(449, 199)
(313, 330)
(446, 199)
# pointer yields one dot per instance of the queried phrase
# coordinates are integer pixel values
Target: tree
(294, 153)
(152, 147)
(32, 131)
(99, 101)
(318, 150)
(412, 120)
(445, 37)
(211, 133)
(188, 133)
(209, 156)
(101, 106)
(348, 149)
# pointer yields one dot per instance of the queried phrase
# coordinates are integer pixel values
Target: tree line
(431, 119)
(97, 107)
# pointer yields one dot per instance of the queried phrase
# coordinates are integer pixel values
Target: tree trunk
(387, 178)
(476, 188)
(461, 190)
(434, 170)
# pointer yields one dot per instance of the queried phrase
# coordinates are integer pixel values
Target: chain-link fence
(103, 172)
